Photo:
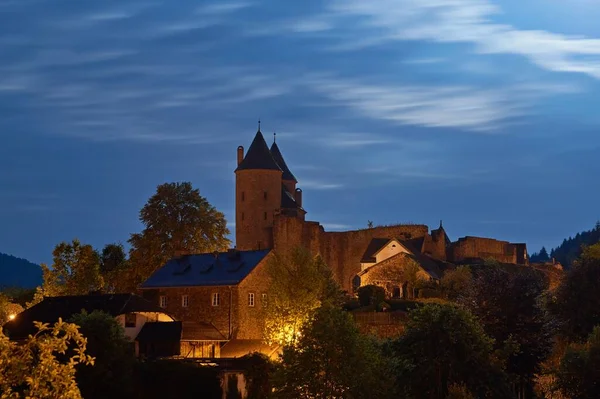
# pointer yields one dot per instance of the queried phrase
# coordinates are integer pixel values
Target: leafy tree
(332, 360)
(299, 284)
(508, 305)
(112, 375)
(8, 309)
(579, 370)
(176, 218)
(371, 295)
(576, 302)
(444, 345)
(258, 384)
(455, 282)
(75, 270)
(43, 367)
(113, 266)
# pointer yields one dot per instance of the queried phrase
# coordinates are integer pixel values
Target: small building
(225, 293)
(131, 311)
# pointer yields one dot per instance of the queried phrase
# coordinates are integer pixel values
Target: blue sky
(480, 113)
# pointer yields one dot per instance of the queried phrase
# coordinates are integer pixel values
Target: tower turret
(289, 180)
(258, 186)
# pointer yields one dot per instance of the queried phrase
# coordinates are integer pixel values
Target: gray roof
(258, 156)
(287, 174)
(224, 268)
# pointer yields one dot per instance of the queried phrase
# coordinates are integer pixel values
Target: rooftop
(210, 269)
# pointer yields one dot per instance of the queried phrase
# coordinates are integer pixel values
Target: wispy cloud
(351, 140)
(335, 226)
(463, 21)
(318, 185)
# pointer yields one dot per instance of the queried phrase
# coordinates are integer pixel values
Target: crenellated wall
(467, 248)
(342, 251)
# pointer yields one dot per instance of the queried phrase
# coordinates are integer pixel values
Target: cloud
(464, 107)
(457, 21)
(335, 226)
(424, 61)
(351, 140)
(223, 7)
(318, 185)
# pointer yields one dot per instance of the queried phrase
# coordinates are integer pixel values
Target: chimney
(298, 197)
(240, 155)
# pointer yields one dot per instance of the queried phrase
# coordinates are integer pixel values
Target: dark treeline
(570, 249)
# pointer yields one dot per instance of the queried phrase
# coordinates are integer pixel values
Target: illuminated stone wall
(468, 248)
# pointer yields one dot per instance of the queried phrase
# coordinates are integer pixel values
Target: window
(242, 215)
(130, 320)
(184, 301)
(163, 301)
(265, 215)
(216, 299)
(265, 195)
(251, 299)
(264, 300)
(243, 196)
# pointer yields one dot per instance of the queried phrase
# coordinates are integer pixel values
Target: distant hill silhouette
(17, 272)
(570, 249)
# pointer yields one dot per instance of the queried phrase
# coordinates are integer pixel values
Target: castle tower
(289, 180)
(440, 242)
(258, 195)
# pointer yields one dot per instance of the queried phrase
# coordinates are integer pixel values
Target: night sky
(483, 114)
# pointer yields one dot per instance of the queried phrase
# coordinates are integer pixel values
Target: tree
(455, 282)
(299, 284)
(371, 295)
(112, 375)
(444, 345)
(33, 370)
(75, 270)
(8, 309)
(113, 265)
(257, 375)
(576, 302)
(508, 305)
(176, 218)
(332, 360)
(579, 370)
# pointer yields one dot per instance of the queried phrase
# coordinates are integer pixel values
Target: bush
(257, 375)
(370, 295)
(429, 293)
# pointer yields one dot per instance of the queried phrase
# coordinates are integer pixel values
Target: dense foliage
(332, 360)
(114, 354)
(299, 284)
(578, 375)
(444, 345)
(370, 295)
(175, 218)
(43, 367)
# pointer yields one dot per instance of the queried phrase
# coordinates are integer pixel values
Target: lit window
(184, 301)
(251, 299)
(264, 299)
(163, 301)
(216, 299)
(130, 320)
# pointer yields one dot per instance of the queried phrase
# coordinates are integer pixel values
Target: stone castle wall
(476, 247)
(342, 251)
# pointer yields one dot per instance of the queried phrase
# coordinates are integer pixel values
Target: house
(223, 295)
(131, 311)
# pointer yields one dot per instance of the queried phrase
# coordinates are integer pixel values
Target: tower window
(216, 299)
(251, 299)
(265, 195)
(265, 215)
(242, 215)
(243, 196)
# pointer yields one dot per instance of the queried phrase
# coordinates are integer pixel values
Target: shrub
(371, 294)
(429, 293)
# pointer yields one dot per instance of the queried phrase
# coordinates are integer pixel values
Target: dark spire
(287, 174)
(441, 224)
(258, 124)
(258, 155)
(274, 137)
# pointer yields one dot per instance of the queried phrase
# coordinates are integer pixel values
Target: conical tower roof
(287, 174)
(258, 156)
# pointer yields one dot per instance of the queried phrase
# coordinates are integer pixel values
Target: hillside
(570, 248)
(17, 272)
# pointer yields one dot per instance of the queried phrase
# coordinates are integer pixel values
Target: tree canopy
(43, 367)
(175, 218)
(576, 303)
(332, 360)
(444, 345)
(579, 371)
(299, 284)
(113, 353)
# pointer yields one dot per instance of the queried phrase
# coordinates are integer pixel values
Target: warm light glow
(11, 316)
